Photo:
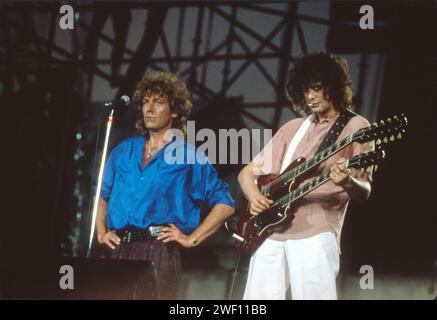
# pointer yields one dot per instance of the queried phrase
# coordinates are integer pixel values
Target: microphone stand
(99, 182)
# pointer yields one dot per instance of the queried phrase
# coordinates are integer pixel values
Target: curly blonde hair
(173, 88)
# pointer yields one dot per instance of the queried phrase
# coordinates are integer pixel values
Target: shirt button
(141, 178)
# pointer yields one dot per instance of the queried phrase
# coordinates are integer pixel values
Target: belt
(129, 235)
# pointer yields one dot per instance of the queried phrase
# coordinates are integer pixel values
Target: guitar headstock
(368, 159)
(384, 131)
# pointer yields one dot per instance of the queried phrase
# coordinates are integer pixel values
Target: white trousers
(309, 265)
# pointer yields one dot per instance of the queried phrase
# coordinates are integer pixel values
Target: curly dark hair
(173, 88)
(320, 69)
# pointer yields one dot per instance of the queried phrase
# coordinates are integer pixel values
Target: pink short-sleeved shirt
(324, 208)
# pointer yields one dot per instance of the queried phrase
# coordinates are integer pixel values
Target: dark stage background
(234, 57)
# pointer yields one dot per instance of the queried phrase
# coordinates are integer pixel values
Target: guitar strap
(295, 141)
(330, 138)
(336, 129)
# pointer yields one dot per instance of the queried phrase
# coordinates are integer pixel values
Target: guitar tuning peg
(399, 136)
(392, 138)
(375, 167)
(378, 142)
(385, 140)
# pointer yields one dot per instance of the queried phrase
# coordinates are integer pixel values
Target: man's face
(317, 100)
(157, 114)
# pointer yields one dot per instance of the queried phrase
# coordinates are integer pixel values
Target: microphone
(123, 101)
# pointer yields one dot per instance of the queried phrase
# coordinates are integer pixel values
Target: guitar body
(255, 229)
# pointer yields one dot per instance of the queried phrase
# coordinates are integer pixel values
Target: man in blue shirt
(149, 205)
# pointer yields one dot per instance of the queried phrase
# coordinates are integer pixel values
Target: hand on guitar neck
(340, 174)
(357, 189)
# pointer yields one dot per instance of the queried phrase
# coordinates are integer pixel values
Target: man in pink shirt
(305, 255)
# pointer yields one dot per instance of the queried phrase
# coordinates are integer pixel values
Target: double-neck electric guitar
(284, 188)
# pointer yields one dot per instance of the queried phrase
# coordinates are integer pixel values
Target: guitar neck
(364, 160)
(390, 129)
(318, 158)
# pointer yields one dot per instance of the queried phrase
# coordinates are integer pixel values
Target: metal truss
(25, 48)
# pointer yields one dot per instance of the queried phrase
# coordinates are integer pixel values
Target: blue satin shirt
(162, 191)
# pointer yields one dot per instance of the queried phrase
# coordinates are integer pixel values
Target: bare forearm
(216, 218)
(247, 181)
(101, 218)
(357, 189)
(257, 201)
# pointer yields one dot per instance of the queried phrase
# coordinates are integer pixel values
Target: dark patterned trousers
(164, 267)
